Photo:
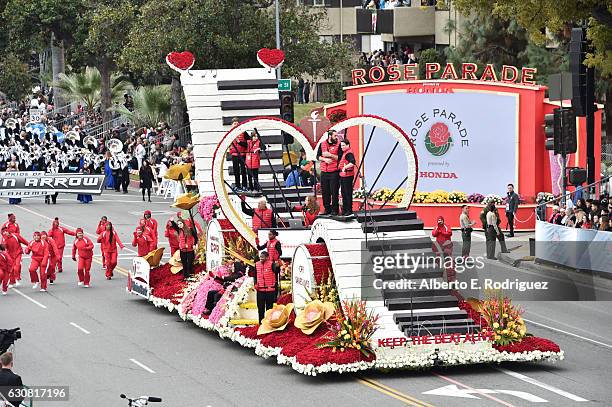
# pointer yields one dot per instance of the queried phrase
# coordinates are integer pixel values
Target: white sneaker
(86, 285)
(10, 286)
(42, 290)
(4, 293)
(18, 283)
(35, 286)
(80, 283)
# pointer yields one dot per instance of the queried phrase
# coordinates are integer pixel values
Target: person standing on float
(347, 176)
(329, 155)
(272, 246)
(6, 267)
(109, 240)
(13, 242)
(84, 247)
(186, 246)
(152, 225)
(266, 277)
(238, 152)
(263, 217)
(58, 234)
(53, 256)
(38, 262)
(253, 161)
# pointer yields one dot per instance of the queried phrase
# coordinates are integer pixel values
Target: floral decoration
(313, 315)
(336, 115)
(503, 319)
(208, 206)
(275, 319)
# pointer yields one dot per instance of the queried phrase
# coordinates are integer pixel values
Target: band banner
(24, 184)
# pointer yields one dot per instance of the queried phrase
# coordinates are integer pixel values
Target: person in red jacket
(84, 247)
(151, 224)
(6, 267)
(272, 246)
(263, 217)
(347, 175)
(12, 224)
(443, 235)
(109, 239)
(99, 230)
(186, 246)
(142, 224)
(53, 256)
(253, 161)
(142, 241)
(58, 234)
(13, 243)
(266, 277)
(329, 155)
(38, 262)
(238, 152)
(172, 235)
(310, 210)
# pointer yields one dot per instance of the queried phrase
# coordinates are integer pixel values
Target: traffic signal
(286, 113)
(577, 176)
(577, 54)
(560, 131)
(552, 131)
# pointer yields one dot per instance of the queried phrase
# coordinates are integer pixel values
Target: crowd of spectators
(386, 58)
(580, 213)
(389, 4)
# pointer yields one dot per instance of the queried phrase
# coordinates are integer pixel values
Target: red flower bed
(249, 332)
(316, 356)
(473, 314)
(321, 263)
(284, 299)
(167, 285)
(529, 344)
(297, 341)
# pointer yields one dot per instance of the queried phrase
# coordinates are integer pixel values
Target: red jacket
(186, 242)
(333, 149)
(266, 277)
(272, 251)
(6, 262)
(13, 244)
(266, 215)
(239, 146)
(152, 224)
(172, 236)
(349, 172)
(84, 247)
(109, 246)
(142, 242)
(53, 250)
(309, 218)
(253, 154)
(39, 250)
(442, 233)
(12, 227)
(58, 234)
(101, 227)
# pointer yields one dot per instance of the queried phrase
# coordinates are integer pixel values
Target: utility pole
(277, 24)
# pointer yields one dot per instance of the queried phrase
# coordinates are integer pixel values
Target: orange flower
(276, 319)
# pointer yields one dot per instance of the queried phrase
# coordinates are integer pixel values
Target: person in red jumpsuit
(54, 256)
(99, 230)
(109, 239)
(38, 262)
(13, 243)
(58, 234)
(151, 224)
(443, 234)
(142, 224)
(172, 235)
(272, 246)
(142, 241)
(84, 247)
(12, 224)
(6, 267)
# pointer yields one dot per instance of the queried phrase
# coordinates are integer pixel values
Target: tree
(430, 55)
(15, 80)
(151, 106)
(86, 87)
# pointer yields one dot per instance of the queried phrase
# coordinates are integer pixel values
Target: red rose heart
(180, 60)
(438, 134)
(270, 58)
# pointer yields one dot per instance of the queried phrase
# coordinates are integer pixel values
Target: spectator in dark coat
(9, 379)
(146, 179)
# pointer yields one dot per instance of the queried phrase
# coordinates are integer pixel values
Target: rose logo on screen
(438, 139)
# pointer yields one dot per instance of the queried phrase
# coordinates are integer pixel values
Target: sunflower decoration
(176, 265)
(179, 172)
(154, 257)
(313, 315)
(276, 319)
(186, 201)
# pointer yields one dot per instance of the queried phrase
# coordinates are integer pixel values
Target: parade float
(329, 315)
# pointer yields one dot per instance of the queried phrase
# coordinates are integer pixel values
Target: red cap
(147, 212)
(79, 230)
(43, 233)
(36, 233)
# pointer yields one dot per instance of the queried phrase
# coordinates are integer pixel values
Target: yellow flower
(495, 325)
(505, 315)
(276, 319)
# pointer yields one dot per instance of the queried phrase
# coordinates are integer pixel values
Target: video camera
(8, 337)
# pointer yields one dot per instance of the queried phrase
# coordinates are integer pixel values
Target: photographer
(9, 379)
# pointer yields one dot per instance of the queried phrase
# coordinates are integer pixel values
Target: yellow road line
(118, 269)
(389, 391)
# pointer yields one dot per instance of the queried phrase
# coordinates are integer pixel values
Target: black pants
(148, 190)
(265, 301)
(117, 178)
(491, 235)
(502, 242)
(346, 187)
(330, 184)
(240, 176)
(510, 217)
(125, 180)
(253, 175)
(212, 299)
(466, 236)
(187, 261)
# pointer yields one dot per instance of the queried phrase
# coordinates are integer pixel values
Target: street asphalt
(102, 342)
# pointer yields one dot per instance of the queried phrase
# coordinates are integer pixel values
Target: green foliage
(430, 55)
(15, 80)
(85, 87)
(151, 106)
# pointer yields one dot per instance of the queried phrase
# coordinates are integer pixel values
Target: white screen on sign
(465, 141)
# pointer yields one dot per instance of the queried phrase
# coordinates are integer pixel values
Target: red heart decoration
(180, 60)
(270, 58)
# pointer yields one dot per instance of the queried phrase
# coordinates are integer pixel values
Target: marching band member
(152, 224)
(38, 261)
(109, 239)
(310, 210)
(84, 247)
(272, 246)
(142, 241)
(53, 256)
(329, 154)
(58, 233)
(347, 175)
(13, 242)
(172, 235)
(6, 266)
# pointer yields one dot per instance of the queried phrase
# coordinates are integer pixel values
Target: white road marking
(30, 298)
(569, 333)
(453, 391)
(142, 366)
(541, 385)
(479, 236)
(85, 331)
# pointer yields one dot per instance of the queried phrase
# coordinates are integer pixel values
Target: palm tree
(84, 87)
(151, 106)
